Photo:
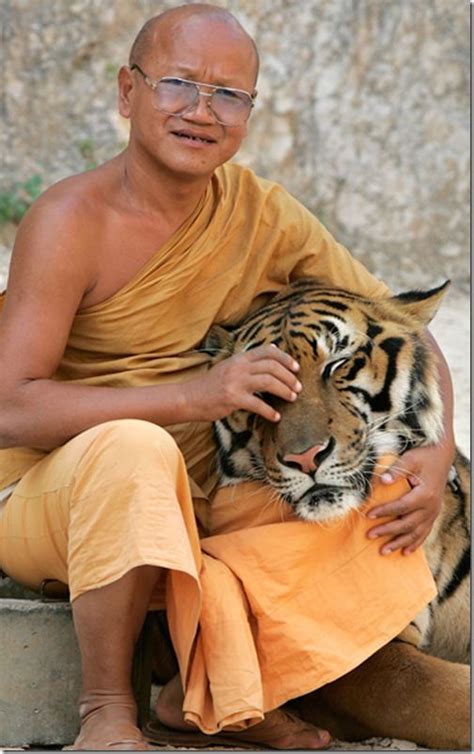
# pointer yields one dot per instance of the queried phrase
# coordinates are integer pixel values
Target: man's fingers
(396, 527)
(267, 367)
(399, 507)
(400, 472)
(255, 405)
(406, 542)
(407, 532)
(273, 353)
(266, 383)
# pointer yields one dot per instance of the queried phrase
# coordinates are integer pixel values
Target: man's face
(201, 50)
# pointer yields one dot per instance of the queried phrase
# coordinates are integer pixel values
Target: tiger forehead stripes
(369, 387)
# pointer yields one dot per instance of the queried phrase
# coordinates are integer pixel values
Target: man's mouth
(193, 137)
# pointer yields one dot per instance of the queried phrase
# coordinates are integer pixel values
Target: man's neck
(154, 192)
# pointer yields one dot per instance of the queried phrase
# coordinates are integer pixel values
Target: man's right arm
(53, 266)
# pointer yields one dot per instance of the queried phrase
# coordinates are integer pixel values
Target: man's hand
(415, 512)
(238, 382)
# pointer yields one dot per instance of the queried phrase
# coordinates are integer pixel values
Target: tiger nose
(307, 461)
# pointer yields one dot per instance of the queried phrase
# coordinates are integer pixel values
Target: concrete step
(39, 672)
(40, 669)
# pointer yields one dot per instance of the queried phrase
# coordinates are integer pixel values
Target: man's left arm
(427, 471)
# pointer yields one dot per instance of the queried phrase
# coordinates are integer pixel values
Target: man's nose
(201, 109)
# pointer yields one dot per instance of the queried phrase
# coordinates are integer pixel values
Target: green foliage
(86, 148)
(15, 202)
(111, 71)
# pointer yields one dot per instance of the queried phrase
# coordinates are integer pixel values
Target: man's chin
(190, 167)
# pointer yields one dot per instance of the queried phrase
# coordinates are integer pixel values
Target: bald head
(158, 29)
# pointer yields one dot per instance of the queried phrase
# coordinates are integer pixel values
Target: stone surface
(11, 590)
(363, 112)
(40, 678)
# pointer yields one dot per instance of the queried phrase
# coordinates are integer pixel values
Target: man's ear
(125, 90)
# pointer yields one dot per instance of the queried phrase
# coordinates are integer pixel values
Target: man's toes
(310, 738)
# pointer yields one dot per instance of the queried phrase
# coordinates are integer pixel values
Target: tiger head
(369, 388)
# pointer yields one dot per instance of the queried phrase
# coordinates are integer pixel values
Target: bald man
(116, 276)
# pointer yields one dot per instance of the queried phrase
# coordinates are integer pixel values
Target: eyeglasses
(175, 96)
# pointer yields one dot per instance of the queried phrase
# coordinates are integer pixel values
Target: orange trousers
(265, 609)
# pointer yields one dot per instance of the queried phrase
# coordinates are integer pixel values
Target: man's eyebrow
(187, 72)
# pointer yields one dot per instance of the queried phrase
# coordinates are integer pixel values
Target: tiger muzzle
(308, 460)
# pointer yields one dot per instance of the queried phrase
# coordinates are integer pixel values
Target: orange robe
(283, 606)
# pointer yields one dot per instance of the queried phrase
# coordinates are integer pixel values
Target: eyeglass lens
(175, 96)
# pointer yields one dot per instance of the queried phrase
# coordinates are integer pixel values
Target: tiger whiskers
(333, 524)
(407, 407)
(273, 497)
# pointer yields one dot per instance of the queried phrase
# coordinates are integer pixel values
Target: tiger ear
(422, 305)
(218, 343)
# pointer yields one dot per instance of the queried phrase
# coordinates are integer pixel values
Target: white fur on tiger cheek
(384, 442)
(241, 458)
(399, 389)
(433, 418)
(225, 441)
(225, 437)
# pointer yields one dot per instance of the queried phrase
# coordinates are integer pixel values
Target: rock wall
(362, 112)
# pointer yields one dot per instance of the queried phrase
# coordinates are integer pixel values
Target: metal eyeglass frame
(154, 83)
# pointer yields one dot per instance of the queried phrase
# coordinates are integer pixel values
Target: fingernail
(299, 387)
(295, 366)
(386, 550)
(277, 417)
(387, 478)
(294, 396)
(371, 515)
(372, 535)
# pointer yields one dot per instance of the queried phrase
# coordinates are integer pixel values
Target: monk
(106, 402)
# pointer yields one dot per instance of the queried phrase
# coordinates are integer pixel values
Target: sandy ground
(451, 328)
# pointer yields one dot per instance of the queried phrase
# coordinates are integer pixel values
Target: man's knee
(127, 442)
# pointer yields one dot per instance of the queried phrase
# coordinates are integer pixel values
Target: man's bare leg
(107, 623)
(279, 730)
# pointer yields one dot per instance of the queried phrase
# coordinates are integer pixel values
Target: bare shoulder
(53, 266)
(69, 208)
(60, 233)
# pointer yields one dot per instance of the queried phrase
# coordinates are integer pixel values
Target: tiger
(370, 387)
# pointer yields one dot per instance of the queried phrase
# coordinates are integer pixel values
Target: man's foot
(109, 722)
(169, 705)
(279, 729)
(283, 730)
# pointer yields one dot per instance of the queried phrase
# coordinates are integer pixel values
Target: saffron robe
(282, 606)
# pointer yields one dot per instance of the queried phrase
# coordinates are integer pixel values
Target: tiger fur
(369, 388)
